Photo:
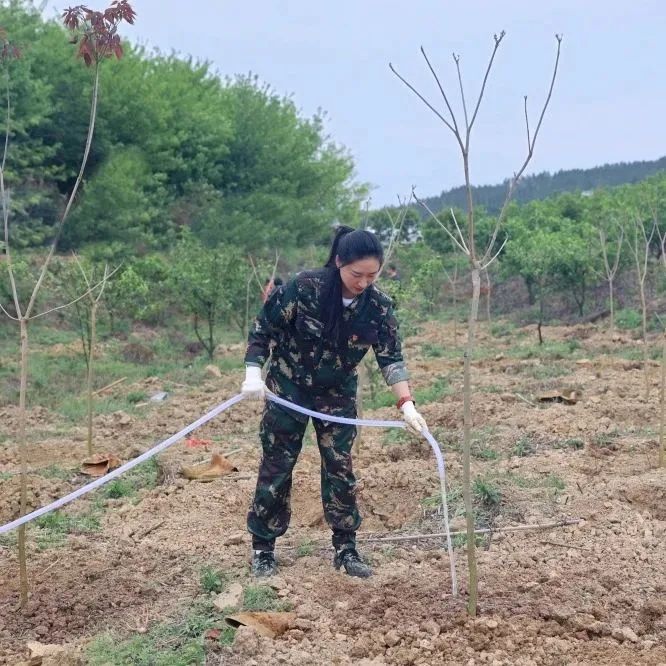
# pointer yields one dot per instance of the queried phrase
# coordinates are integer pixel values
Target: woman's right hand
(253, 387)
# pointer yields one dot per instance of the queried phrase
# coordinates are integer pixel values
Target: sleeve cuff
(394, 373)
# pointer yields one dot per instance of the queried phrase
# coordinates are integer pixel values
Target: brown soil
(592, 593)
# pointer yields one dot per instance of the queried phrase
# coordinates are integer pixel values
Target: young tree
(467, 244)
(212, 285)
(96, 34)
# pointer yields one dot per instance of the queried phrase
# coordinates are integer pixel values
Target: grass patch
(430, 350)
(524, 447)
(486, 493)
(176, 643)
(574, 443)
(556, 350)
(305, 548)
(438, 389)
(263, 598)
(55, 527)
(142, 476)
(628, 319)
(547, 371)
(482, 451)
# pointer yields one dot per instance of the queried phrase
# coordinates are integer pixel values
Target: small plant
(606, 440)
(628, 319)
(212, 580)
(263, 598)
(572, 443)
(133, 397)
(482, 451)
(432, 351)
(438, 389)
(524, 447)
(487, 493)
(118, 488)
(305, 548)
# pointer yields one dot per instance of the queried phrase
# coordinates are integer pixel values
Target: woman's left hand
(415, 422)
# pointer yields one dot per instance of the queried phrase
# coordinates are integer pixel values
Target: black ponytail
(348, 245)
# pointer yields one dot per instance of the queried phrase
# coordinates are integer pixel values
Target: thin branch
(527, 125)
(5, 208)
(460, 233)
(7, 313)
(256, 274)
(72, 196)
(498, 41)
(66, 305)
(426, 102)
(456, 59)
(441, 90)
(530, 153)
(463, 249)
(486, 265)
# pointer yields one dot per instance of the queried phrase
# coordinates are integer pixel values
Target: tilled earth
(590, 593)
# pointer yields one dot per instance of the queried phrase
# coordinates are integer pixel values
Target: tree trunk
(612, 307)
(646, 373)
(91, 357)
(488, 298)
(662, 401)
(473, 585)
(23, 454)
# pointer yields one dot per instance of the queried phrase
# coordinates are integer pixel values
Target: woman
(320, 325)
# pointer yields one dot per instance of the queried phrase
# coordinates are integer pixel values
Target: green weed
(572, 443)
(212, 580)
(524, 447)
(430, 350)
(305, 548)
(486, 493)
(263, 598)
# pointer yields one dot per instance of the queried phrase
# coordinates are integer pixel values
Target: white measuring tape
(158, 448)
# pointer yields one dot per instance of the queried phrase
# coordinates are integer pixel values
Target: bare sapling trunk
(662, 401)
(487, 293)
(640, 248)
(90, 340)
(611, 270)
(466, 243)
(96, 35)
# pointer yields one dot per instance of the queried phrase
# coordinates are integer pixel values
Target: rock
(431, 627)
(230, 598)
(234, 539)
(391, 638)
(629, 634)
(213, 371)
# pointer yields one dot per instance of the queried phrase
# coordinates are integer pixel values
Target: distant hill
(542, 185)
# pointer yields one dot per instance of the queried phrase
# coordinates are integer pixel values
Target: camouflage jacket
(303, 359)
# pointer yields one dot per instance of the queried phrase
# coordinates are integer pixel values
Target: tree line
(175, 146)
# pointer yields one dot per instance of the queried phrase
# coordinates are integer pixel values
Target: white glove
(253, 387)
(415, 422)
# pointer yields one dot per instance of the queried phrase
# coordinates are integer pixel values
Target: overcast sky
(609, 103)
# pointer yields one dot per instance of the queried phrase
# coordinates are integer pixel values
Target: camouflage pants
(281, 437)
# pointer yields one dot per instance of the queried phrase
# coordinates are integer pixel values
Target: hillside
(542, 185)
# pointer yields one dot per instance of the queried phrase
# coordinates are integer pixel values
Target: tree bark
(467, 443)
(23, 454)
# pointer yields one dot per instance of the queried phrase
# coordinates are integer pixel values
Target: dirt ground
(590, 593)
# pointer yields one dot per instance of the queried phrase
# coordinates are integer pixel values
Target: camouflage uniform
(320, 374)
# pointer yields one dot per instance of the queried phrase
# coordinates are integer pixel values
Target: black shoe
(353, 564)
(263, 563)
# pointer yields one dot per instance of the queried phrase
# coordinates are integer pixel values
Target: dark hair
(277, 281)
(348, 245)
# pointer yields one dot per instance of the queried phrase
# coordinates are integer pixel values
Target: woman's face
(358, 275)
